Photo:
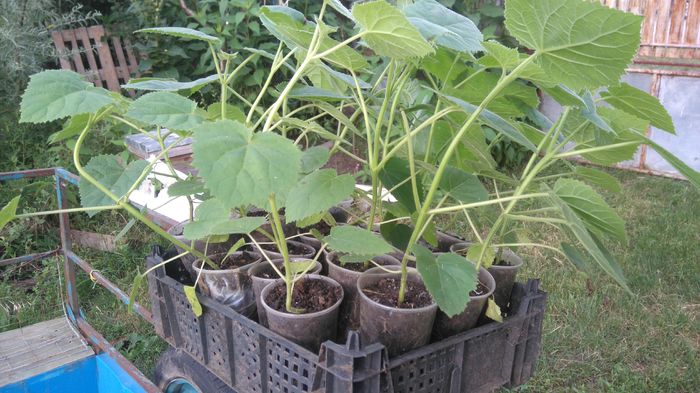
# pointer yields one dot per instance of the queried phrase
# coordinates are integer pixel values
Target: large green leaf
(113, 174)
(338, 6)
(317, 192)
(499, 56)
(603, 258)
(55, 94)
(9, 212)
(589, 111)
(449, 278)
(463, 186)
(212, 218)
(314, 158)
(639, 103)
(574, 256)
(387, 31)
(290, 27)
(158, 84)
(599, 178)
(357, 241)
(395, 176)
(165, 109)
(241, 167)
(691, 174)
(506, 104)
(182, 32)
(186, 187)
(73, 127)
(595, 213)
(496, 122)
(626, 129)
(443, 26)
(580, 43)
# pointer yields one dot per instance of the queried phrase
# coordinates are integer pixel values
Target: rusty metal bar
(29, 174)
(67, 176)
(99, 342)
(98, 278)
(64, 230)
(29, 258)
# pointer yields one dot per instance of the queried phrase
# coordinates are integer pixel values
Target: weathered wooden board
(671, 28)
(38, 348)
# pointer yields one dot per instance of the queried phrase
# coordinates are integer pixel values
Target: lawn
(596, 337)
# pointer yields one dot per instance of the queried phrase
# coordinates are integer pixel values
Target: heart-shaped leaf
(55, 94)
(387, 31)
(113, 174)
(165, 109)
(449, 278)
(581, 43)
(243, 168)
(212, 218)
(354, 240)
(182, 32)
(443, 26)
(317, 192)
(9, 212)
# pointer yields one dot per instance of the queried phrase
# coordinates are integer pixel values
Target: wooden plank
(133, 64)
(57, 38)
(122, 68)
(39, 348)
(95, 241)
(69, 36)
(93, 72)
(677, 27)
(692, 31)
(108, 71)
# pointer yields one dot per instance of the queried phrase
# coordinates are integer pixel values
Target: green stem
(489, 202)
(456, 141)
(124, 204)
(595, 149)
(282, 245)
(73, 210)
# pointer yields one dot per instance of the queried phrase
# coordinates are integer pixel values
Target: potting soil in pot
(386, 292)
(308, 295)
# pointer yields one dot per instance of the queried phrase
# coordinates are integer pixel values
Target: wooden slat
(69, 36)
(133, 64)
(122, 67)
(677, 27)
(692, 32)
(109, 73)
(39, 348)
(92, 74)
(57, 38)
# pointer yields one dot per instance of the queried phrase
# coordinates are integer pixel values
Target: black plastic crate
(253, 359)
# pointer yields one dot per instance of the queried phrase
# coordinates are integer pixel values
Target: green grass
(596, 337)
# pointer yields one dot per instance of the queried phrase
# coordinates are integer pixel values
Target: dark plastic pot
(467, 319)
(309, 252)
(399, 329)
(232, 287)
(200, 245)
(504, 275)
(307, 330)
(350, 309)
(259, 283)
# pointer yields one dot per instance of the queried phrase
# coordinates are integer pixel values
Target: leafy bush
(25, 42)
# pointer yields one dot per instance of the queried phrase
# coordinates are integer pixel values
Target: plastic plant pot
(308, 330)
(398, 329)
(262, 274)
(232, 287)
(503, 274)
(350, 309)
(448, 326)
